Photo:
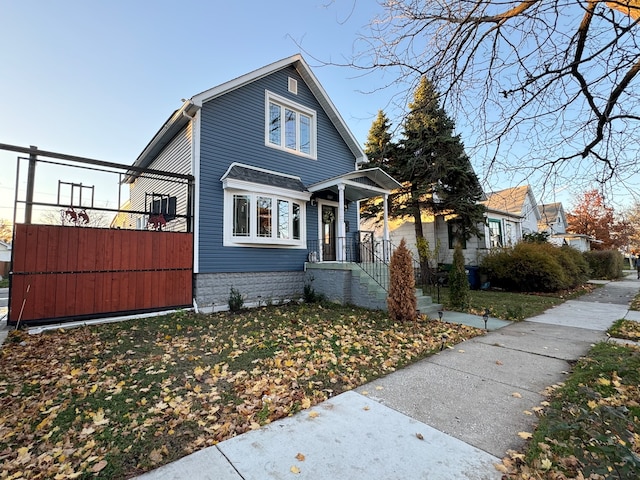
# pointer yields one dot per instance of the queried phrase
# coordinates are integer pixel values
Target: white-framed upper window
(289, 126)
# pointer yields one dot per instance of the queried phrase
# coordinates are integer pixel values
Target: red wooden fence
(69, 273)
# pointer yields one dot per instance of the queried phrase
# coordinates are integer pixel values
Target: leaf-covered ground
(590, 427)
(625, 329)
(113, 401)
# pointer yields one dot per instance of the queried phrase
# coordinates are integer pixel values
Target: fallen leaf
(419, 436)
(498, 362)
(501, 468)
(525, 435)
(546, 464)
(366, 407)
(461, 351)
(294, 469)
(99, 419)
(99, 466)
(516, 395)
(300, 457)
(527, 412)
(155, 456)
(313, 414)
(306, 403)
(379, 388)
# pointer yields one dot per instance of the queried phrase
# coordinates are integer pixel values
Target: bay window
(263, 219)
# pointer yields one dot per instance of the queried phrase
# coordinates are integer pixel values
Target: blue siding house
(278, 176)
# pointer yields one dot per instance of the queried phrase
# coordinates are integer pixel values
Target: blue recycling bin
(473, 276)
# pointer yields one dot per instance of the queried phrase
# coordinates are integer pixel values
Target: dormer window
(290, 126)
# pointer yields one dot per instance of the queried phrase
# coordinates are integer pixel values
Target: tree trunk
(425, 270)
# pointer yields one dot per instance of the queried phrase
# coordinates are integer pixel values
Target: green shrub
(605, 264)
(401, 302)
(575, 265)
(236, 300)
(459, 297)
(535, 267)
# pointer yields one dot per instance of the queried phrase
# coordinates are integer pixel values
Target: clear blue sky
(98, 79)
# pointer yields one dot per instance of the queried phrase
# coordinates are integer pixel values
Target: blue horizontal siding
(232, 130)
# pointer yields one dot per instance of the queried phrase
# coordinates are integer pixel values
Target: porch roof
(359, 184)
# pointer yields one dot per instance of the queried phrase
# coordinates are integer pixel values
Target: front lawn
(511, 306)
(115, 400)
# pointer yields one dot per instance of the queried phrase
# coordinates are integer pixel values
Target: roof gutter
(173, 125)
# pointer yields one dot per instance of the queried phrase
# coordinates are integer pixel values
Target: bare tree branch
(544, 85)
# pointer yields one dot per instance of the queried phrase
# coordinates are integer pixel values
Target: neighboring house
(552, 218)
(122, 219)
(278, 175)
(554, 222)
(511, 213)
(436, 230)
(578, 241)
(5, 258)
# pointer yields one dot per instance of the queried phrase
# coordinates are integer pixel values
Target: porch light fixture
(485, 317)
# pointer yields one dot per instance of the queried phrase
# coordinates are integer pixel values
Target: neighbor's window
(290, 126)
(495, 233)
(455, 235)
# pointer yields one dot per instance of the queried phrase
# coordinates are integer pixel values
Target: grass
(591, 425)
(115, 400)
(4, 283)
(514, 306)
(635, 303)
(625, 329)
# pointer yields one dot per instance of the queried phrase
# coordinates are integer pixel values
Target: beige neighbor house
(511, 213)
(436, 230)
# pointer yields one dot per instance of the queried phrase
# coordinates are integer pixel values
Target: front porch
(362, 276)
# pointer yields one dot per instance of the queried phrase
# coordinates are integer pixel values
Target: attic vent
(293, 86)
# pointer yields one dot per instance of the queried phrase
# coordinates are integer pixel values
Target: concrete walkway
(450, 416)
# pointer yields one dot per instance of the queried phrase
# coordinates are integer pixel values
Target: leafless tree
(546, 85)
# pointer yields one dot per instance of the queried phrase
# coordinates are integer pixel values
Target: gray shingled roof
(246, 174)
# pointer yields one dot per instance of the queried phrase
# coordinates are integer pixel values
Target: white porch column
(385, 229)
(341, 240)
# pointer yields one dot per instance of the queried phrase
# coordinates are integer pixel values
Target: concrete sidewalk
(450, 416)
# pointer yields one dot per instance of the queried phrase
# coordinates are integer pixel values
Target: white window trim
(253, 190)
(271, 97)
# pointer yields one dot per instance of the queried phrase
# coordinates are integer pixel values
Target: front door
(328, 233)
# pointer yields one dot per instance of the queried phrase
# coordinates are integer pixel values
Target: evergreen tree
(401, 302)
(433, 166)
(379, 148)
(459, 296)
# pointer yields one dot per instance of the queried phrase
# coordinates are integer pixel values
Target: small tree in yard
(458, 283)
(401, 301)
